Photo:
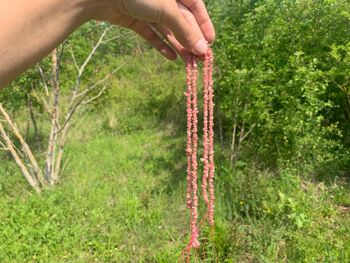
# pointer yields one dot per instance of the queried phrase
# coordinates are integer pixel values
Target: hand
(184, 24)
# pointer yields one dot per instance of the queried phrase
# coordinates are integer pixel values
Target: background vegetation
(282, 97)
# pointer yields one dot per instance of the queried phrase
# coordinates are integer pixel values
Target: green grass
(122, 200)
(115, 204)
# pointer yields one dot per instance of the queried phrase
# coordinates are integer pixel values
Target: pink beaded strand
(205, 158)
(211, 137)
(188, 94)
(194, 229)
(192, 141)
(191, 148)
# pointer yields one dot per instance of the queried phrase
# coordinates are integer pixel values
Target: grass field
(122, 200)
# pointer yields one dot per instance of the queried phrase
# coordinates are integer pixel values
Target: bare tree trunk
(27, 151)
(60, 151)
(31, 180)
(236, 144)
(50, 156)
(241, 138)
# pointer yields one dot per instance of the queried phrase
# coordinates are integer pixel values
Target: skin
(30, 30)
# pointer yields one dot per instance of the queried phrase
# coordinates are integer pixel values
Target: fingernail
(201, 47)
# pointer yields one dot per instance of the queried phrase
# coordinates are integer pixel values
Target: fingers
(169, 36)
(150, 36)
(200, 13)
(190, 19)
(146, 32)
(184, 32)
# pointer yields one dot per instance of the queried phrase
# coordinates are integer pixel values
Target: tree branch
(39, 97)
(247, 133)
(74, 107)
(119, 36)
(74, 60)
(95, 97)
(87, 60)
(3, 147)
(41, 72)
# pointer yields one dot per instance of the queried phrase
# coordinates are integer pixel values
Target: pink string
(188, 94)
(205, 158)
(192, 141)
(210, 57)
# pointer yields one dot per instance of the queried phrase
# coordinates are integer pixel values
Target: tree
(61, 118)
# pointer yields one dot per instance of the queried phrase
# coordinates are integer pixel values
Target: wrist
(93, 9)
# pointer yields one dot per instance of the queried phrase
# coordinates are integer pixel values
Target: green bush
(279, 64)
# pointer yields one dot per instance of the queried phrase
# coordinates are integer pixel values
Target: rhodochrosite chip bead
(192, 141)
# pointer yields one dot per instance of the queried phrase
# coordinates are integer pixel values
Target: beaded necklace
(192, 141)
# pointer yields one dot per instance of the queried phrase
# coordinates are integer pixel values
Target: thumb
(183, 31)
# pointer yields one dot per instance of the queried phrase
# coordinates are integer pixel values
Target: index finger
(199, 11)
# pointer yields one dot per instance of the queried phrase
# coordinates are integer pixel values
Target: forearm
(29, 30)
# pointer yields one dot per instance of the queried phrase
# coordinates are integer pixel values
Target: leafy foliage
(279, 65)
